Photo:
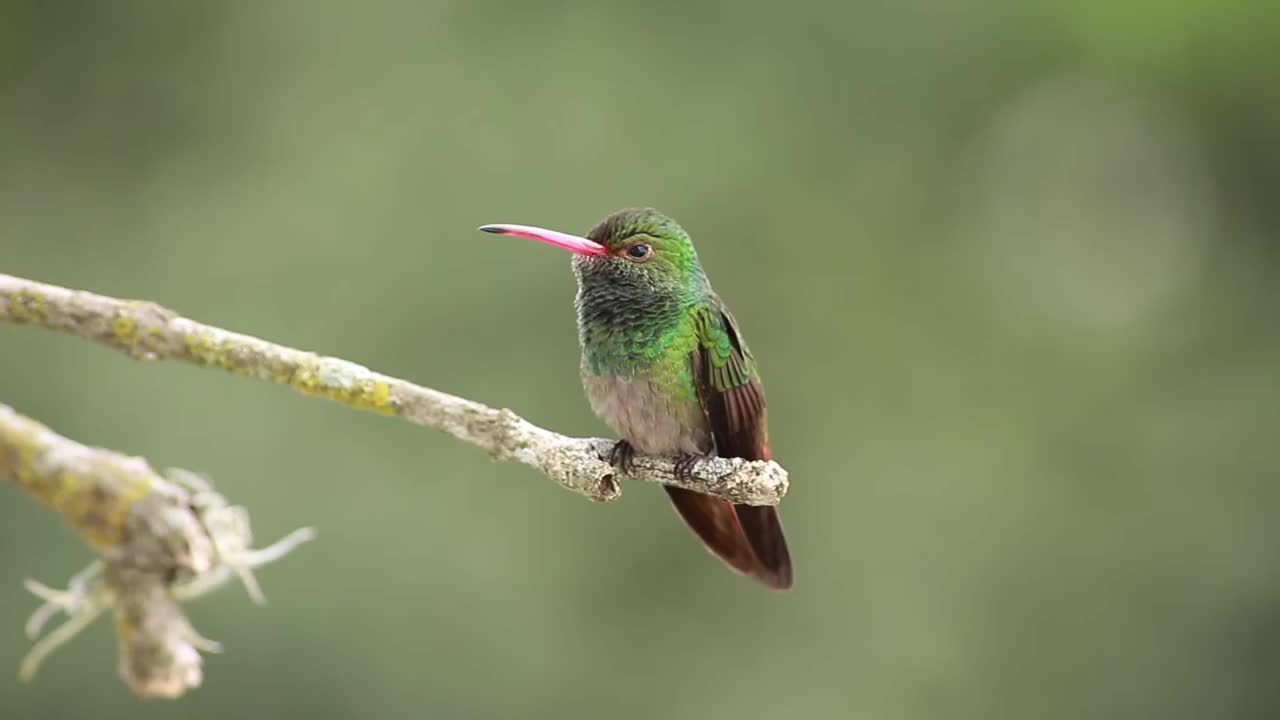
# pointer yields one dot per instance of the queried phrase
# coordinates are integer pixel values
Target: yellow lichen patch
(95, 495)
(17, 457)
(62, 491)
(381, 397)
(27, 306)
(205, 351)
(227, 358)
(96, 506)
(124, 330)
(128, 490)
(199, 347)
(81, 500)
(345, 382)
(93, 507)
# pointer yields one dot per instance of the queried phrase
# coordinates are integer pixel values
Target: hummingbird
(665, 366)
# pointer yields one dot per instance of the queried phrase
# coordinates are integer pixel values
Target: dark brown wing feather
(763, 528)
(748, 538)
(714, 521)
(737, 423)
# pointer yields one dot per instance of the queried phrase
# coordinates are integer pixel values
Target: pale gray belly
(652, 423)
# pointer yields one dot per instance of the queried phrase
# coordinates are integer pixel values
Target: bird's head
(631, 245)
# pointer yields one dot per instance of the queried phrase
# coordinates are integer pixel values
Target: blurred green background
(1010, 270)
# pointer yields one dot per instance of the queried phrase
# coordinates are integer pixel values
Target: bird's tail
(747, 538)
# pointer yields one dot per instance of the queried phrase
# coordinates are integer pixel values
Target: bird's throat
(626, 327)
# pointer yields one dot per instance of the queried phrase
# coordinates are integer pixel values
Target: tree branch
(161, 540)
(147, 331)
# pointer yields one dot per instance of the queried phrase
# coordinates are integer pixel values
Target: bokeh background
(1010, 270)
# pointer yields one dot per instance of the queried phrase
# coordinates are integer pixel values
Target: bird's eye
(639, 252)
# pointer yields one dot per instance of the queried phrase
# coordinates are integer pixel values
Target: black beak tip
(491, 229)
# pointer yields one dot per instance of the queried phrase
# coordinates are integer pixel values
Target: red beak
(572, 243)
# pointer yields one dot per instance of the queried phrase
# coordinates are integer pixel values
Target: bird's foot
(622, 455)
(686, 463)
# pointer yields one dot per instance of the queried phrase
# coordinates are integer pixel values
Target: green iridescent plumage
(729, 367)
(664, 364)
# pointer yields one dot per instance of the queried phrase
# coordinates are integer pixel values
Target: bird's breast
(655, 420)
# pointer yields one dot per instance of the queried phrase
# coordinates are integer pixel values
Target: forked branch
(164, 539)
(161, 540)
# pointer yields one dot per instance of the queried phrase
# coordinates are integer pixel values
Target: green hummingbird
(665, 366)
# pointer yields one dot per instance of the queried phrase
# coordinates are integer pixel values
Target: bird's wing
(733, 399)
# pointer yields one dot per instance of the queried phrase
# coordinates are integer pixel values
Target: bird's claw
(622, 456)
(685, 465)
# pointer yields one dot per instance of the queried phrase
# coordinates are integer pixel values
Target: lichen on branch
(148, 331)
(161, 540)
